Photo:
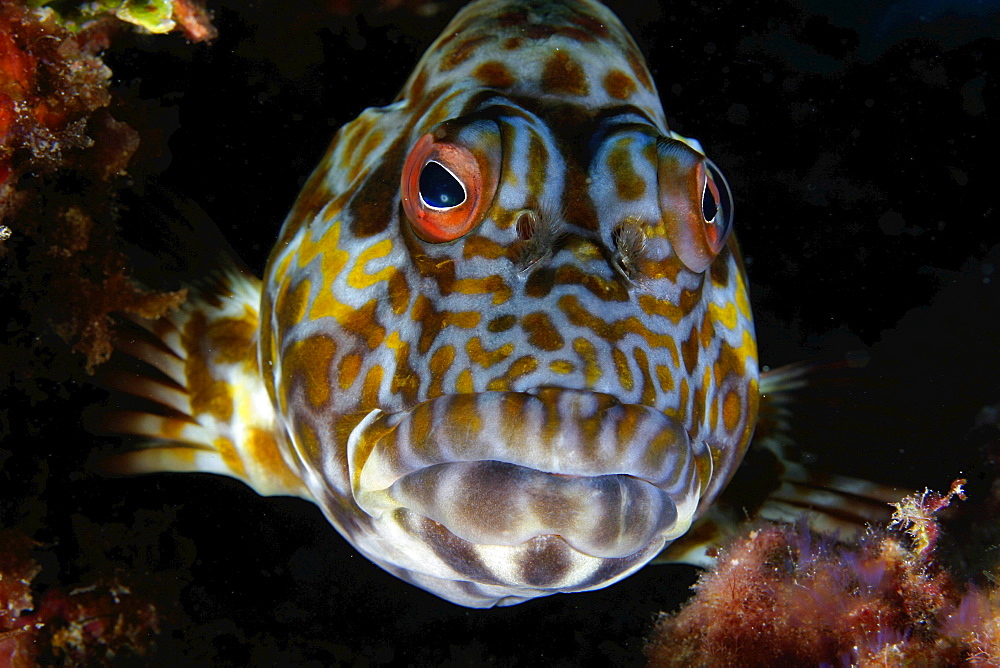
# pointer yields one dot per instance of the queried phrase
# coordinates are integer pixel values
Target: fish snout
(503, 468)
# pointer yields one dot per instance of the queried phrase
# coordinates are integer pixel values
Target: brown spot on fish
(728, 363)
(263, 449)
(588, 355)
(415, 91)
(495, 285)
(562, 367)
(578, 210)
(546, 562)
(609, 291)
(538, 163)
(731, 410)
(502, 324)
(690, 299)
(365, 324)
(463, 51)
(649, 395)
(520, 367)
(623, 369)
(661, 269)
(370, 390)
(575, 34)
(452, 550)
(661, 308)
(349, 367)
(514, 18)
(593, 27)
(494, 74)
(539, 283)
(370, 215)
(399, 292)
(563, 75)
(690, 349)
(207, 393)
(308, 362)
(639, 68)
(479, 246)
(406, 381)
(230, 457)
(487, 358)
(719, 271)
(611, 568)
(618, 85)
(290, 308)
(433, 321)
(680, 413)
(441, 362)
(512, 43)
(541, 332)
(665, 378)
(231, 339)
(628, 184)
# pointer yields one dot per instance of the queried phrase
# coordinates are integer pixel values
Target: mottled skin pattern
(537, 406)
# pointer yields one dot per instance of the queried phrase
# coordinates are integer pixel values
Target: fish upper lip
(597, 442)
(603, 436)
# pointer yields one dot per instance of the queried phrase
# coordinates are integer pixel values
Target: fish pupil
(439, 188)
(709, 207)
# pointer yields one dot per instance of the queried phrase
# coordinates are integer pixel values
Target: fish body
(503, 340)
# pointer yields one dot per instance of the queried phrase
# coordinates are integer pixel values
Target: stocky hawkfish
(503, 340)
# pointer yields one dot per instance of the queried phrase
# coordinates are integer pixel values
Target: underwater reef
(63, 155)
(856, 142)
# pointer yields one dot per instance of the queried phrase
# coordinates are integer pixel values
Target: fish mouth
(503, 468)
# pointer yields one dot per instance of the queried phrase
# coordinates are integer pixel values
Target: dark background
(858, 139)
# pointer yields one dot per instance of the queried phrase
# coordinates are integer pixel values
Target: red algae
(194, 20)
(784, 595)
(62, 155)
(90, 625)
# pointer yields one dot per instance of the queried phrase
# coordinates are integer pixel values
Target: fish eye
(444, 189)
(716, 207)
(439, 188)
(696, 203)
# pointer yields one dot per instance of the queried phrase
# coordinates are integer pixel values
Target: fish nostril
(630, 247)
(540, 232)
(527, 224)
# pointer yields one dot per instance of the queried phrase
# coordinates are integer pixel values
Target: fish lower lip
(503, 467)
(496, 503)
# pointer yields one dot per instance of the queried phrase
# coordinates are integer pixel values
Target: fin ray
(209, 410)
(773, 486)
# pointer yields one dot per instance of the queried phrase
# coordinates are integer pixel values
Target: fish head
(506, 325)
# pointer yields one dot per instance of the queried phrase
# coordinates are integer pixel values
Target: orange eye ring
(696, 204)
(443, 190)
